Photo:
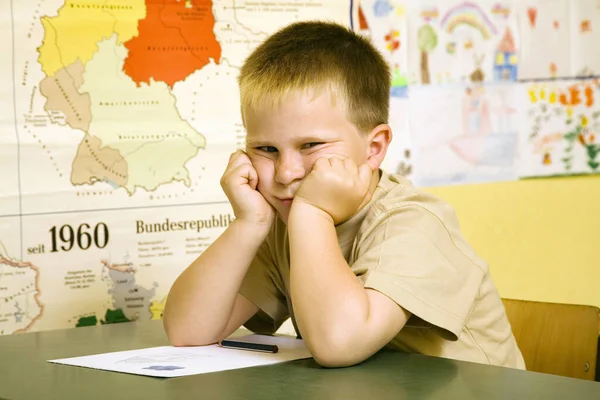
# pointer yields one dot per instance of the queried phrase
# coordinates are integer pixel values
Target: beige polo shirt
(407, 245)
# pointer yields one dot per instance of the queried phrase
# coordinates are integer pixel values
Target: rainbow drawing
(470, 14)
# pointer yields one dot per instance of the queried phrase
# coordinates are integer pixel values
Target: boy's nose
(289, 168)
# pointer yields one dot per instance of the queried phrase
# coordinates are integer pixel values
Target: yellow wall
(540, 237)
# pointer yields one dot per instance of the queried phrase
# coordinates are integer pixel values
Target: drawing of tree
(427, 41)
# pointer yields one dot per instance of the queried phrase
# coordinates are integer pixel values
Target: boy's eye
(312, 144)
(267, 149)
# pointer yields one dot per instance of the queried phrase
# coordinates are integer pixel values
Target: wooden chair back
(559, 339)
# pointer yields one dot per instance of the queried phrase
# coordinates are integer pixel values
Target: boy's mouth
(286, 201)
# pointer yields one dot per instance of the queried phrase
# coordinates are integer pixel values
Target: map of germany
(141, 123)
(113, 80)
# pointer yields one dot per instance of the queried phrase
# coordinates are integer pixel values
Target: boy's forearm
(201, 300)
(330, 304)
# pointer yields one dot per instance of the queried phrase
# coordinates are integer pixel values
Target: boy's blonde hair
(315, 57)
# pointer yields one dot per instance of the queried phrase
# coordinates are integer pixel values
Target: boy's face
(283, 144)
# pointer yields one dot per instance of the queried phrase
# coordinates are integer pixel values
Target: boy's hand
(336, 186)
(239, 182)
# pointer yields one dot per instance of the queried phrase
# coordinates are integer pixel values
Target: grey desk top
(25, 374)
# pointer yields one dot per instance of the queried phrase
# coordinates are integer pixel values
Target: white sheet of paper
(169, 361)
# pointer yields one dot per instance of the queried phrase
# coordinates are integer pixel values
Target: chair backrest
(559, 339)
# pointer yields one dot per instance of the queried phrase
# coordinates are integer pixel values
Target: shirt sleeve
(412, 257)
(263, 286)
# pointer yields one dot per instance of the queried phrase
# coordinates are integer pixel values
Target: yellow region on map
(80, 24)
(142, 123)
(157, 307)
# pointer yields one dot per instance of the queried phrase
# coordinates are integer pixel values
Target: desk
(25, 374)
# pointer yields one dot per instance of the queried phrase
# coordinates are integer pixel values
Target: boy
(357, 258)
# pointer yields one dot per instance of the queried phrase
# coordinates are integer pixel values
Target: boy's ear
(378, 142)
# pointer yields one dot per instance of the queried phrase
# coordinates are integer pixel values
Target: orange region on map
(94, 162)
(22, 264)
(61, 92)
(175, 39)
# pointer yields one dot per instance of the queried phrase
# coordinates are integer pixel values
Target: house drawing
(506, 60)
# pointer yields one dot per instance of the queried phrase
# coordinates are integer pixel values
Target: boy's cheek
(264, 169)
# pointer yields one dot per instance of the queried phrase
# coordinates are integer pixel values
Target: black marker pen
(233, 344)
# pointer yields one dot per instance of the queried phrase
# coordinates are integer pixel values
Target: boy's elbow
(174, 335)
(335, 358)
(180, 336)
(177, 340)
(336, 353)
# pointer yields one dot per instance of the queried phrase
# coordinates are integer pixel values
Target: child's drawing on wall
(506, 59)
(562, 126)
(447, 34)
(384, 23)
(464, 134)
(492, 139)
